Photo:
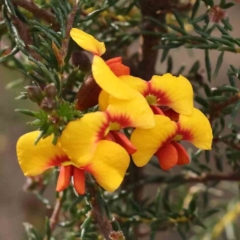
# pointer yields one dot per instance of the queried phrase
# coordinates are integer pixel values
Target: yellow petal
(87, 41)
(35, 159)
(136, 111)
(174, 92)
(103, 100)
(79, 138)
(108, 81)
(148, 141)
(135, 83)
(109, 165)
(196, 129)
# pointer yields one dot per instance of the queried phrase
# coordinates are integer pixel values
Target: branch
(217, 108)
(101, 219)
(56, 212)
(37, 12)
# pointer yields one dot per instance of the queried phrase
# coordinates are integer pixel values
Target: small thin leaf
(219, 64)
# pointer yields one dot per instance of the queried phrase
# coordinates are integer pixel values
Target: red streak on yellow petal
(122, 140)
(64, 178)
(156, 110)
(183, 157)
(79, 180)
(185, 133)
(167, 156)
(119, 69)
(57, 161)
(162, 98)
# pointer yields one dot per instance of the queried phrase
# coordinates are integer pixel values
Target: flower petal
(196, 129)
(119, 69)
(79, 138)
(79, 180)
(136, 111)
(108, 81)
(35, 159)
(103, 100)
(109, 165)
(87, 41)
(174, 92)
(123, 141)
(183, 157)
(135, 83)
(167, 156)
(148, 141)
(64, 178)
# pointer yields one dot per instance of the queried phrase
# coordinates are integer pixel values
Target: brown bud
(88, 93)
(81, 60)
(34, 93)
(50, 91)
(48, 104)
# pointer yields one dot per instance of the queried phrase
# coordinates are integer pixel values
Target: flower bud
(50, 91)
(34, 93)
(88, 93)
(81, 60)
(48, 104)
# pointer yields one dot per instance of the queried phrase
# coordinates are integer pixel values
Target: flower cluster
(157, 114)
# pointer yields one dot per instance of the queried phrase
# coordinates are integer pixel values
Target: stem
(38, 12)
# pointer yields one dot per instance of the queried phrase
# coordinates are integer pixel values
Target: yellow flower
(108, 166)
(161, 139)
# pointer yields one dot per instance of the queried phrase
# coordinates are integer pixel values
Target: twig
(100, 217)
(56, 212)
(23, 31)
(38, 12)
(70, 22)
(217, 108)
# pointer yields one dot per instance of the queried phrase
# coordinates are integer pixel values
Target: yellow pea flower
(107, 167)
(161, 140)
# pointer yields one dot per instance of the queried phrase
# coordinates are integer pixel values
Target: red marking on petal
(162, 98)
(58, 160)
(119, 69)
(174, 116)
(79, 180)
(64, 178)
(183, 157)
(122, 120)
(122, 140)
(156, 110)
(167, 156)
(186, 133)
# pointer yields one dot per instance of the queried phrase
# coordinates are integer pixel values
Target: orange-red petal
(122, 140)
(79, 180)
(119, 69)
(183, 157)
(167, 156)
(64, 178)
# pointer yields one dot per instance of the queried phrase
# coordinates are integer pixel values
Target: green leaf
(195, 9)
(219, 64)
(48, 233)
(208, 65)
(164, 54)
(32, 234)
